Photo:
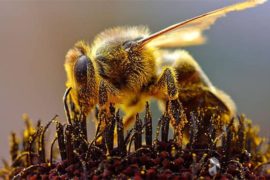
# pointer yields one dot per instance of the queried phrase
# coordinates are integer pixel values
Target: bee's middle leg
(166, 84)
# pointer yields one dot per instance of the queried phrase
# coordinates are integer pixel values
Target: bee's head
(81, 76)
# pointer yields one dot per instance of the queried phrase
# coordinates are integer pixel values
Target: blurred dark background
(34, 37)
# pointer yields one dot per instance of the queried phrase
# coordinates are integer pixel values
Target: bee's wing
(190, 32)
(184, 37)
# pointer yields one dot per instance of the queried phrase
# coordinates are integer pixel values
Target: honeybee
(127, 66)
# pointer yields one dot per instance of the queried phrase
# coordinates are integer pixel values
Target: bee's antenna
(66, 105)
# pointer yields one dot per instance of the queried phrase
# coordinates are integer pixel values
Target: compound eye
(80, 69)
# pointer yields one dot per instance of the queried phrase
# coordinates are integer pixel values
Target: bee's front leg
(107, 98)
(107, 94)
(103, 93)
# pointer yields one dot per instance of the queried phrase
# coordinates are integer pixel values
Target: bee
(126, 66)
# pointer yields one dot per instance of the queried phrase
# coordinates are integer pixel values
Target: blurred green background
(34, 37)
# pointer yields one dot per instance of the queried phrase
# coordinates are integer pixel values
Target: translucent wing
(183, 37)
(190, 32)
